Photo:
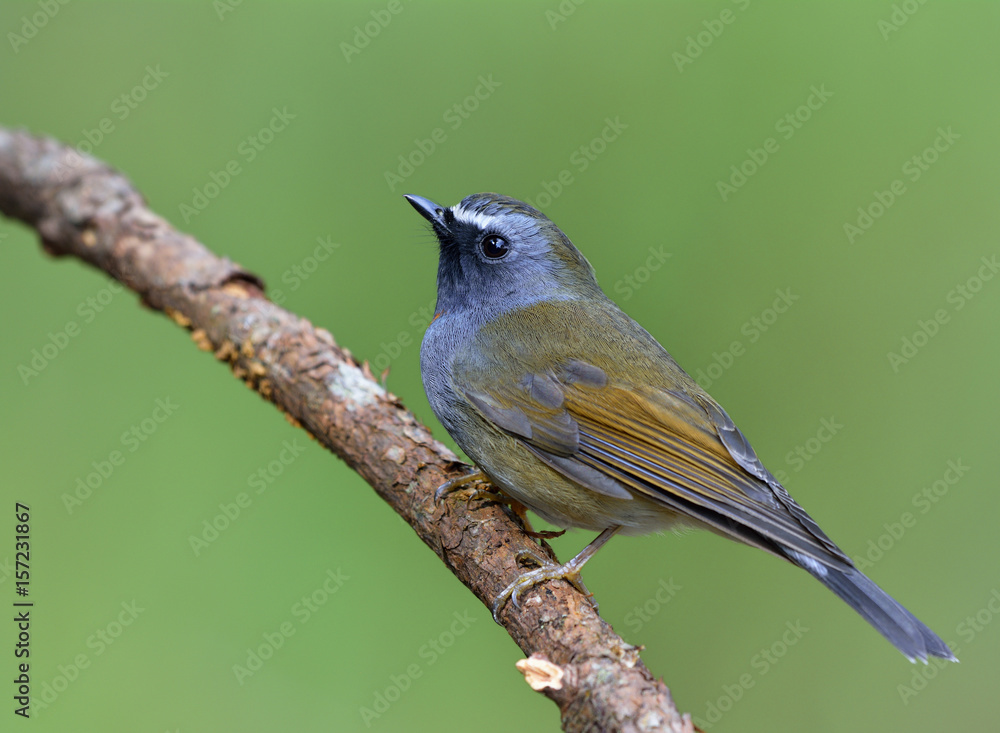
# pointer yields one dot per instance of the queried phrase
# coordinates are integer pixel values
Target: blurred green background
(625, 122)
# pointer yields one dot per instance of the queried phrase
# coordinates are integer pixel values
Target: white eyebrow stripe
(476, 218)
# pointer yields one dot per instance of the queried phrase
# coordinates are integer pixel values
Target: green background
(555, 80)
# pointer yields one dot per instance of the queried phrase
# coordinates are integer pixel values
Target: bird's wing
(679, 449)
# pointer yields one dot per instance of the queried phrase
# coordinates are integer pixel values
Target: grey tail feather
(878, 608)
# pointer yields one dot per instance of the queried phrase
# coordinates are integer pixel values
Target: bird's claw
(457, 483)
(570, 572)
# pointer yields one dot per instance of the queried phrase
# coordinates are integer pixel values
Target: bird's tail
(895, 623)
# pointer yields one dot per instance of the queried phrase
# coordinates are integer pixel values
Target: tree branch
(83, 208)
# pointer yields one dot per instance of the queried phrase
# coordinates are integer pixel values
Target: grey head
(498, 253)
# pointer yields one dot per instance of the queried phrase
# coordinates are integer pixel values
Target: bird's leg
(516, 507)
(521, 512)
(569, 572)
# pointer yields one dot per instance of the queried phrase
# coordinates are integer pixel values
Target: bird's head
(498, 252)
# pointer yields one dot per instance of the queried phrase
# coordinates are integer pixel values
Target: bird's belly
(562, 502)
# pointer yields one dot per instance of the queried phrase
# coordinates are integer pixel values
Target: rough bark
(83, 208)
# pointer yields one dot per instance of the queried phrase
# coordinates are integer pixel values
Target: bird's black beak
(429, 210)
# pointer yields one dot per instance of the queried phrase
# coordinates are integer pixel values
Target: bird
(570, 407)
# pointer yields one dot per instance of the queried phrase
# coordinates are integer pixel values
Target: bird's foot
(549, 570)
(519, 510)
(461, 481)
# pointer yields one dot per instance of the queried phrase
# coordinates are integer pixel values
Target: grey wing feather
(583, 474)
(743, 453)
(508, 418)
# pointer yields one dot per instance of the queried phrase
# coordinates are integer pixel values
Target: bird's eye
(494, 246)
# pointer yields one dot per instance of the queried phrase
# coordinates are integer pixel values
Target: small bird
(571, 408)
